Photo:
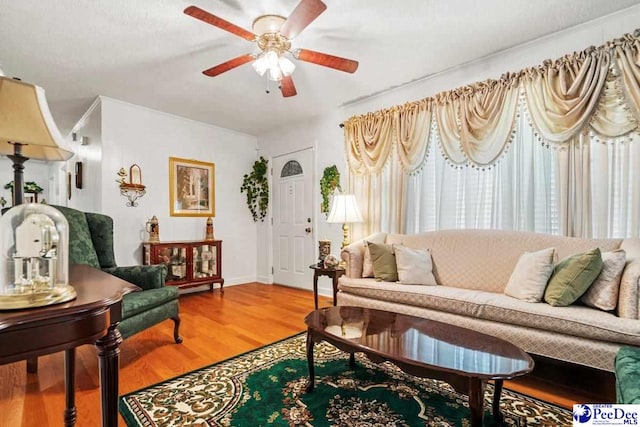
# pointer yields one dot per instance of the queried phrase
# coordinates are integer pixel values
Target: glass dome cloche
(34, 263)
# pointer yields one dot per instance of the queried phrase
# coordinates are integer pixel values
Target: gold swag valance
(597, 89)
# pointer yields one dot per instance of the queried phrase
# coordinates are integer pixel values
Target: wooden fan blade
(326, 60)
(287, 87)
(304, 14)
(229, 65)
(216, 21)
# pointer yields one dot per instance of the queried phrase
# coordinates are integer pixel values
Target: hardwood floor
(214, 328)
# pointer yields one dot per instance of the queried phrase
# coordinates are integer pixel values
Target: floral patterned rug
(266, 387)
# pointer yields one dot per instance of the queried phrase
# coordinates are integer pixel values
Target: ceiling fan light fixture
(275, 74)
(272, 58)
(260, 65)
(277, 65)
(287, 67)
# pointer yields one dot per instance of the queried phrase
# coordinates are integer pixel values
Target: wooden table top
(94, 289)
(421, 342)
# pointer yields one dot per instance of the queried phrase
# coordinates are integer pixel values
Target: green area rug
(266, 387)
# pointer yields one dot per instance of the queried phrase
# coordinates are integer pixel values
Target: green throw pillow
(572, 277)
(384, 262)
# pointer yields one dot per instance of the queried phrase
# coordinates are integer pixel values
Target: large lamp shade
(27, 129)
(344, 209)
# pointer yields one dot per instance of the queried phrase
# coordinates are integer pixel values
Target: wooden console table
(92, 318)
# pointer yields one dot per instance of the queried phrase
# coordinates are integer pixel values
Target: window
(291, 168)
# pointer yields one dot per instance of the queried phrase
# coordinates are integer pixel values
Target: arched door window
(291, 168)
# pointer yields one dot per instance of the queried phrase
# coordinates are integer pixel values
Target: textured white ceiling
(149, 53)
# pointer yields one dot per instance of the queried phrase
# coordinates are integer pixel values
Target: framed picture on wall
(191, 187)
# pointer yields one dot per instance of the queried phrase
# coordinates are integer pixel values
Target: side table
(333, 273)
(91, 318)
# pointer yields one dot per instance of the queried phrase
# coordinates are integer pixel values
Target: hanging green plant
(328, 183)
(256, 185)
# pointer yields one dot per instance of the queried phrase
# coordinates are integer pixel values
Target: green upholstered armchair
(627, 370)
(91, 243)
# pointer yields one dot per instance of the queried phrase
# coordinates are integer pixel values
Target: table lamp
(34, 237)
(344, 209)
(27, 129)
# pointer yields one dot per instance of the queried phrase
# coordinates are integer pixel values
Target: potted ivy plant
(256, 185)
(328, 183)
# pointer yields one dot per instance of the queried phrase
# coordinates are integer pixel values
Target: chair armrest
(353, 254)
(145, 276)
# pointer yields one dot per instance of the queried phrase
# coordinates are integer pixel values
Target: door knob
(307, 230)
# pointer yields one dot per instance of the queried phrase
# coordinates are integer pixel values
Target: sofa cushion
(529, 279)
(138, 302)
(384, 262)
(603, 294)
(414, 266)
(461, 301)
(573, 320)
(572, 277)
(485, 259)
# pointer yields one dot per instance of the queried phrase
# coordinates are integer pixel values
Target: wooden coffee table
(464, 358)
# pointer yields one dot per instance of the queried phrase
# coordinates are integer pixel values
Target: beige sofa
(472, 268)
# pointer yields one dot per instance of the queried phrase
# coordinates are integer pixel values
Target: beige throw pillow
(415, 266)
(603, 294)
(530, 277)
(367, 263)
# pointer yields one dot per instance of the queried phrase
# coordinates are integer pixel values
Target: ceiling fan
(273, 35)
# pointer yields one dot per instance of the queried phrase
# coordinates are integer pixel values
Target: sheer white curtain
(615, 187)
(517, 193)
(589, 189)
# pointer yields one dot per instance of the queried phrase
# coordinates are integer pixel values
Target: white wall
(87, 198)
(133, 134)
(328, 140)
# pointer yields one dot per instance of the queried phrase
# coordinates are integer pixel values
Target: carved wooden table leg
(32, 365)
(334, 282)
(315, 289)
(476, 400)
(352, 360)
(312, 375)
(497, 391)
(108, 353)
(70, 387)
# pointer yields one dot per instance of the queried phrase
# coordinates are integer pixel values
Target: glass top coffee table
(464, 358)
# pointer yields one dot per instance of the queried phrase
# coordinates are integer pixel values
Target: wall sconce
(132, 189)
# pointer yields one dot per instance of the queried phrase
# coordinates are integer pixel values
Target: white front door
(293, 248)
